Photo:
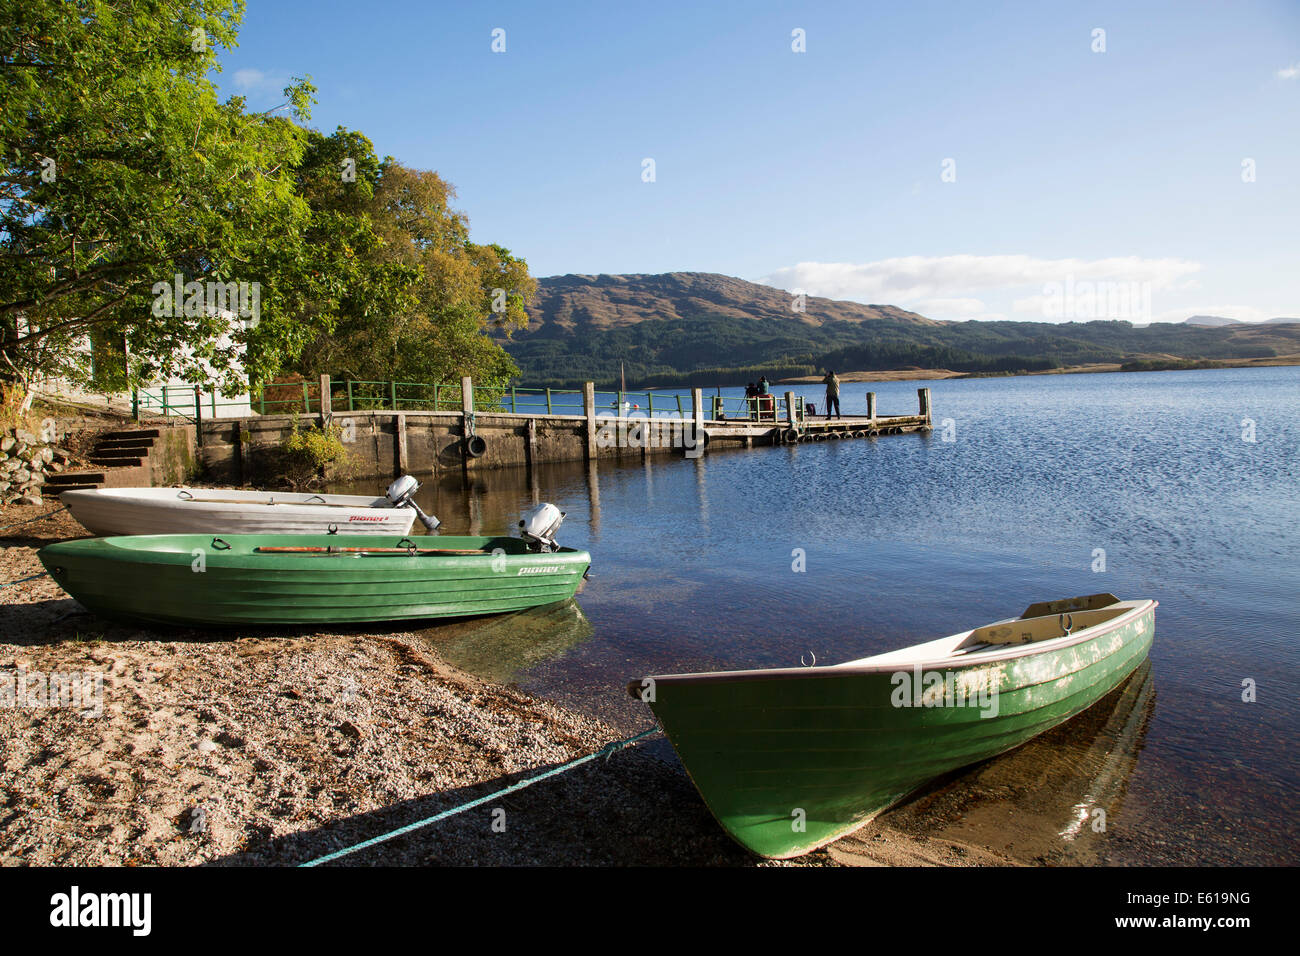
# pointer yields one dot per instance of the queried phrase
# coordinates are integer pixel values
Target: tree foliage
(425, 294)
(121, 168)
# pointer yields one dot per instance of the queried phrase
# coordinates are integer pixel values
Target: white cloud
(1289, 72)
(249, 79)
(252, 82)
(917, 279)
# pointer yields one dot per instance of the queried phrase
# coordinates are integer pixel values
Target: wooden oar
(371, 550)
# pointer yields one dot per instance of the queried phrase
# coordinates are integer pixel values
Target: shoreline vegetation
(272, 748)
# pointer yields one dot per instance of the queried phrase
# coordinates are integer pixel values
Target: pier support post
(532, 443)
(791, 415)
(697, 415)
(923, 394)
(871, 407)
(326, 402)
(589, 408)
(237, 451)
(403, 458)
(466, 415)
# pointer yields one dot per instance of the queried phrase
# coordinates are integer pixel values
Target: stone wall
(383, 444)
(26, 459)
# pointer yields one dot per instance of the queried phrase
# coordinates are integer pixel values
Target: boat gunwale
(112, 548)
(962, 662)
(238, 498)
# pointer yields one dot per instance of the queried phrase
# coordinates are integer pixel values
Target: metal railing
(198, 402)
(528, 401)
(764, 409)
(183, 401)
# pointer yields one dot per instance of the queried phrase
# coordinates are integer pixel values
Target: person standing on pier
(832, 383)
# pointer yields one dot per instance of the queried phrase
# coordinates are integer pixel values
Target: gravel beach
(274, 748)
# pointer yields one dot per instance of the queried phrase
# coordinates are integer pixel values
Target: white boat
(139, 511)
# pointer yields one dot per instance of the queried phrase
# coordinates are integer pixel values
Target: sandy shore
(276, 748)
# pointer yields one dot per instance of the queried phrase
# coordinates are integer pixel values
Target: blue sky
(823, 170)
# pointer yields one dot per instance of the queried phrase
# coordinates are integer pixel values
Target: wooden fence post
(326, 402)
(697, 413)
(589, 408)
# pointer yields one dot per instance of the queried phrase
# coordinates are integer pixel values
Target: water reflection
(1054, 800)
(499, 647)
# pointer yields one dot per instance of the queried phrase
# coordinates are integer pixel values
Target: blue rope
(605, 751)
(21, 580)
(37, 518)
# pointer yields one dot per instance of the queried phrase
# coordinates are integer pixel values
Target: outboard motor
(538, 525)
(402, 494)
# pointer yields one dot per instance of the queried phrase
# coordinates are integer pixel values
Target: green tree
(423, 296)
(120, 168)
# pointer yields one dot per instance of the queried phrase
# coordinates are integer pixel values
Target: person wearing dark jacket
(832, 383)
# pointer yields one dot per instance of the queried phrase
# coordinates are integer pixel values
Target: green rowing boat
(789, 760)
(201, 580)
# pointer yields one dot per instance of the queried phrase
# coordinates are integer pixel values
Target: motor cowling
(538, 526)
(401, 490)
(402, 494)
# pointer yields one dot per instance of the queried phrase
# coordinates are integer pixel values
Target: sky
(1024, 161)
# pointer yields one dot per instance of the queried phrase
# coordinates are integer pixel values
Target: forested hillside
(701, 328)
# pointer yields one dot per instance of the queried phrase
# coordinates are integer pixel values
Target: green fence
(185, 401)
(195, 403)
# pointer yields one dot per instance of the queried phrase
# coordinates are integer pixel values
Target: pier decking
(774, 423)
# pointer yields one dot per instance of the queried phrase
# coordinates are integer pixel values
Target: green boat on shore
(251, 579)
(788, 760)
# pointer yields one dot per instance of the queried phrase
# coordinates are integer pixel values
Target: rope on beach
(22, 580)
(605, 751)
(37, 518)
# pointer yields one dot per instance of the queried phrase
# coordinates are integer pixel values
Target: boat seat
(1045, 628)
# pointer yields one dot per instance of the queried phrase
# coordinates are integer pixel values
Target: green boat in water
(788, 760)
(249, 579)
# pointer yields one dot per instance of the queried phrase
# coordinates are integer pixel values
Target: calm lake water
(912, 537)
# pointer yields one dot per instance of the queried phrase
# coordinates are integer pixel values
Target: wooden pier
(783, 422)
(484, 430)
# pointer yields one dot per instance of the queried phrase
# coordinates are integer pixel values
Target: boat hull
(791, 762)
(201, 580)
(146, 511)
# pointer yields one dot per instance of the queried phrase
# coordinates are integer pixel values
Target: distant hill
(1211, 321)
(576, 303)
(1219, 320)
(697, 328)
